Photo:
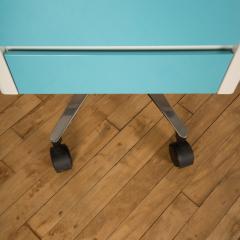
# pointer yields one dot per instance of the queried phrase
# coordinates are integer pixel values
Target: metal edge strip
(7, 85)
(232, 76)
(122, 48)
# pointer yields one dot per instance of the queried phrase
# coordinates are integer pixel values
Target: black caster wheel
(61, 157)
(181, 154)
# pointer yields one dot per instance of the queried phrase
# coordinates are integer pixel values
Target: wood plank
(112, 101)
(92, 139)
(6, 101)
(126, 111)
(5, 173)
(122, 143)
(210, 174)
(35, 157)
(192, 102)
(216, 154)
(129, 197)
(35, 119)
(163, 194)
(30, 148)
(148, 211)
(172, 220)
(40, 115)
(24, 233)
(91, 204)
(214, 208)
(17, 111)
(216, 164)
(25, 214)
(135, 103)
(229, 227)
(32, 186)
(43, 97)
(8, 141)
(91, 115)
(94, 170)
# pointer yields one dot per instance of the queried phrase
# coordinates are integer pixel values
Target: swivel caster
(61, 157)
(181, 153)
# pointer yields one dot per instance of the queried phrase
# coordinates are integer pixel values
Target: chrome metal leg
(164, 106)
(181, 152)
(67, 117)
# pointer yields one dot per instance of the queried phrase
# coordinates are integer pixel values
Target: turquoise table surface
(119, 22)
(118, 72)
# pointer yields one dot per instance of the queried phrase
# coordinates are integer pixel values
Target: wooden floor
(123, 184)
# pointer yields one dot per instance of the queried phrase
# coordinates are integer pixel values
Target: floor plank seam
(4, 163)
(13, 129)
(47, 98)
(4, 109)
(113, 125)
(185, 108)
(29, 113)
(151, 225)
(191, 200)
(32, 230)
(193, 112)
(21, 118)
(141, 110)
(183, 226)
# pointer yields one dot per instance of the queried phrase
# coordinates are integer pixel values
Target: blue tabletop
(119, 22)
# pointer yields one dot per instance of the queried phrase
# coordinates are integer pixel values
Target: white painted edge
(122, 48)
(232, 77)
(7, 85)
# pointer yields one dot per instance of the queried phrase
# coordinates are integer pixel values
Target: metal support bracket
(167, 110)
(67, 117)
